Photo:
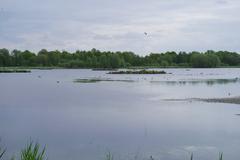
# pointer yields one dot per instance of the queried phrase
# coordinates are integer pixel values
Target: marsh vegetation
(14, 70)
(33, 151)
(209, 82)
(94, 80)
(138, 72)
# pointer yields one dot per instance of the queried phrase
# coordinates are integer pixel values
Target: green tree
(5, 59)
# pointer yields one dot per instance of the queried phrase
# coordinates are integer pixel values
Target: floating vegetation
(86, 80)
(5, 70)
(104, 69)
(199, 81)
(232, 100)
(95, 80)
(138, 72)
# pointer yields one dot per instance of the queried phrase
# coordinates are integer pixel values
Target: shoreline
(110, 69)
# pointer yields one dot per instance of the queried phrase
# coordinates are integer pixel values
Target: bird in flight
(145, 33)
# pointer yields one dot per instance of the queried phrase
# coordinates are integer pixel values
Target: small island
(104, 69)
(95, 80)
(6, 70)
(138, 72)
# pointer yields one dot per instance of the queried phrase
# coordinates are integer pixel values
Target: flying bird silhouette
(145, 33)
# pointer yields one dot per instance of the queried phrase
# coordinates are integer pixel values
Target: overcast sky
(179, 25)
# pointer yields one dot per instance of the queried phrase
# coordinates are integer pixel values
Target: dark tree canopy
(106, 59)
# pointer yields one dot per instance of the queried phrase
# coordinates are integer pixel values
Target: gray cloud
(119, 25)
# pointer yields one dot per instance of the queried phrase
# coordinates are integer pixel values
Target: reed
(109, 156)
(2, 152)
(221, 156)
(33, 152)
(191, 157)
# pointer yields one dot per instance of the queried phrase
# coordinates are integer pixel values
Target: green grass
(33, 152)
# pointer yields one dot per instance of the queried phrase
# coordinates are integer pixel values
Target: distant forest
(101, 59)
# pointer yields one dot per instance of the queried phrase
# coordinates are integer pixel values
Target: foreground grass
(30, 152)
(33, 151)
(2, 152)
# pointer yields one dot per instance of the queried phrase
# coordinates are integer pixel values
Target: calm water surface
(132, 120)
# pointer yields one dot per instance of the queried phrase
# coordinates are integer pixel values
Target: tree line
(106, 59)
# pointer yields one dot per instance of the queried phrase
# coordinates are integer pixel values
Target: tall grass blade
(109, 156)
(221, 156)
(151, 158)
(33, 152)
(2, 152)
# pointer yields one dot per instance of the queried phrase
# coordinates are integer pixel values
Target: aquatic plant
(6, 70)
(2, 152)
(86, 80)
(95, 80)
(221, 156)
(138, 72)
(109, 156)
(191, 157)
(33, 152)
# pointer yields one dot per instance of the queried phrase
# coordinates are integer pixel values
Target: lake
(131, 116)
